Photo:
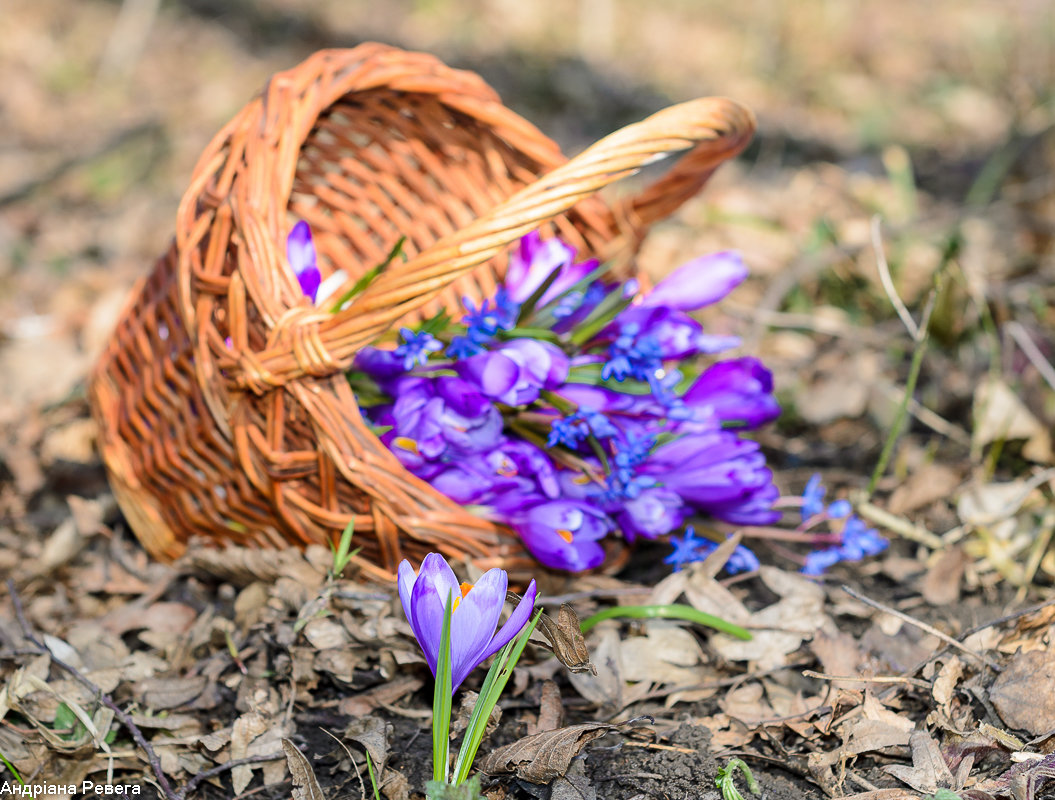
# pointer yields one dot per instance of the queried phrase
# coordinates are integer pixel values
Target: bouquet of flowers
(571, 405)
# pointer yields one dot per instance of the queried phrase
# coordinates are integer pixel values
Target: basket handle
(314, 342)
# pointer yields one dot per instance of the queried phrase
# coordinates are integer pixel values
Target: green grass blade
(441, 701)
(675, 611)
(373, 778)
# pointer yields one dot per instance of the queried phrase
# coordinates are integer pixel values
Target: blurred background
(937, 117)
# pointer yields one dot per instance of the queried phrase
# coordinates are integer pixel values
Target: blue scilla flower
(463, 347)
(493, 315)
(631, 451)
(416, 347)
(813, 502)
(686, 549)
(858, 541)
(574, 428)
(813, 497)
(689, 549)
(568, 305)
(632, 355)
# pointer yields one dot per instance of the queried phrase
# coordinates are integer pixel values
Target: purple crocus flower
(655, 511)
(515, 372)
(719, 473)
(515, 467)
(300, 252)
(562, 534)
(698, 283)
(736, 391)
(535, 260)
(431, 415)
(476, 609)
(673, 333)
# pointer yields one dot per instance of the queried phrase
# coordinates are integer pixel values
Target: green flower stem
(441, 701)
(562, 404)
(675, 611)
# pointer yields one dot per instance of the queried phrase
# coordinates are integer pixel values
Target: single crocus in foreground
(476, 609)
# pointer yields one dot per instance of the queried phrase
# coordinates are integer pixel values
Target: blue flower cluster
(689, 548)
(591, 427)
(856, 540)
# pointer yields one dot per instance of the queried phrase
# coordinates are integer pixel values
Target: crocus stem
(675, 611)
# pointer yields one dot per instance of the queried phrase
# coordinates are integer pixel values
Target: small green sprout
(342, 552)
(725, 783)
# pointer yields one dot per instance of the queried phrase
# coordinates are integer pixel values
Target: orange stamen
(565, 535)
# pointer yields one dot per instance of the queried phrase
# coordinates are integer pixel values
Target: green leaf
(544, 316)
(724, 780)
(470, 790)
(495, 682)
(343, 553)
(370, 275)
(441, 700)
(373, 778)
(674, 611)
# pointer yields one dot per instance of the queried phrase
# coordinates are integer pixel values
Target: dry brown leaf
(326, 633)
(550, 708)
(394, 785)
(839, 654)
(1000, 415)
(875, 728)
(372, 734)
(245, 729)
(339, 662)
(565, 638)
(667, 654)
(928, 772)
(305, 784)
(545, 756)
(1022, 694)
(384, 694)
(159, 694)
(941, 585)
(573, 785)
(944, 687)
(604, 686)
(461, 718)
(778, 629)
(747, 704)
(930, 483)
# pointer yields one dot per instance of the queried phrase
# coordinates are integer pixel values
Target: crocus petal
(494, 373)
(516, 622)
(436, 582)
(300, 251)
(473, 624)
(406, 588)
(699, 282)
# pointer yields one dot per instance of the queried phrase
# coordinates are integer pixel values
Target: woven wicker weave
(222, 407)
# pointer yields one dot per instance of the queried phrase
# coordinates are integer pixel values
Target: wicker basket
(222, 407)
